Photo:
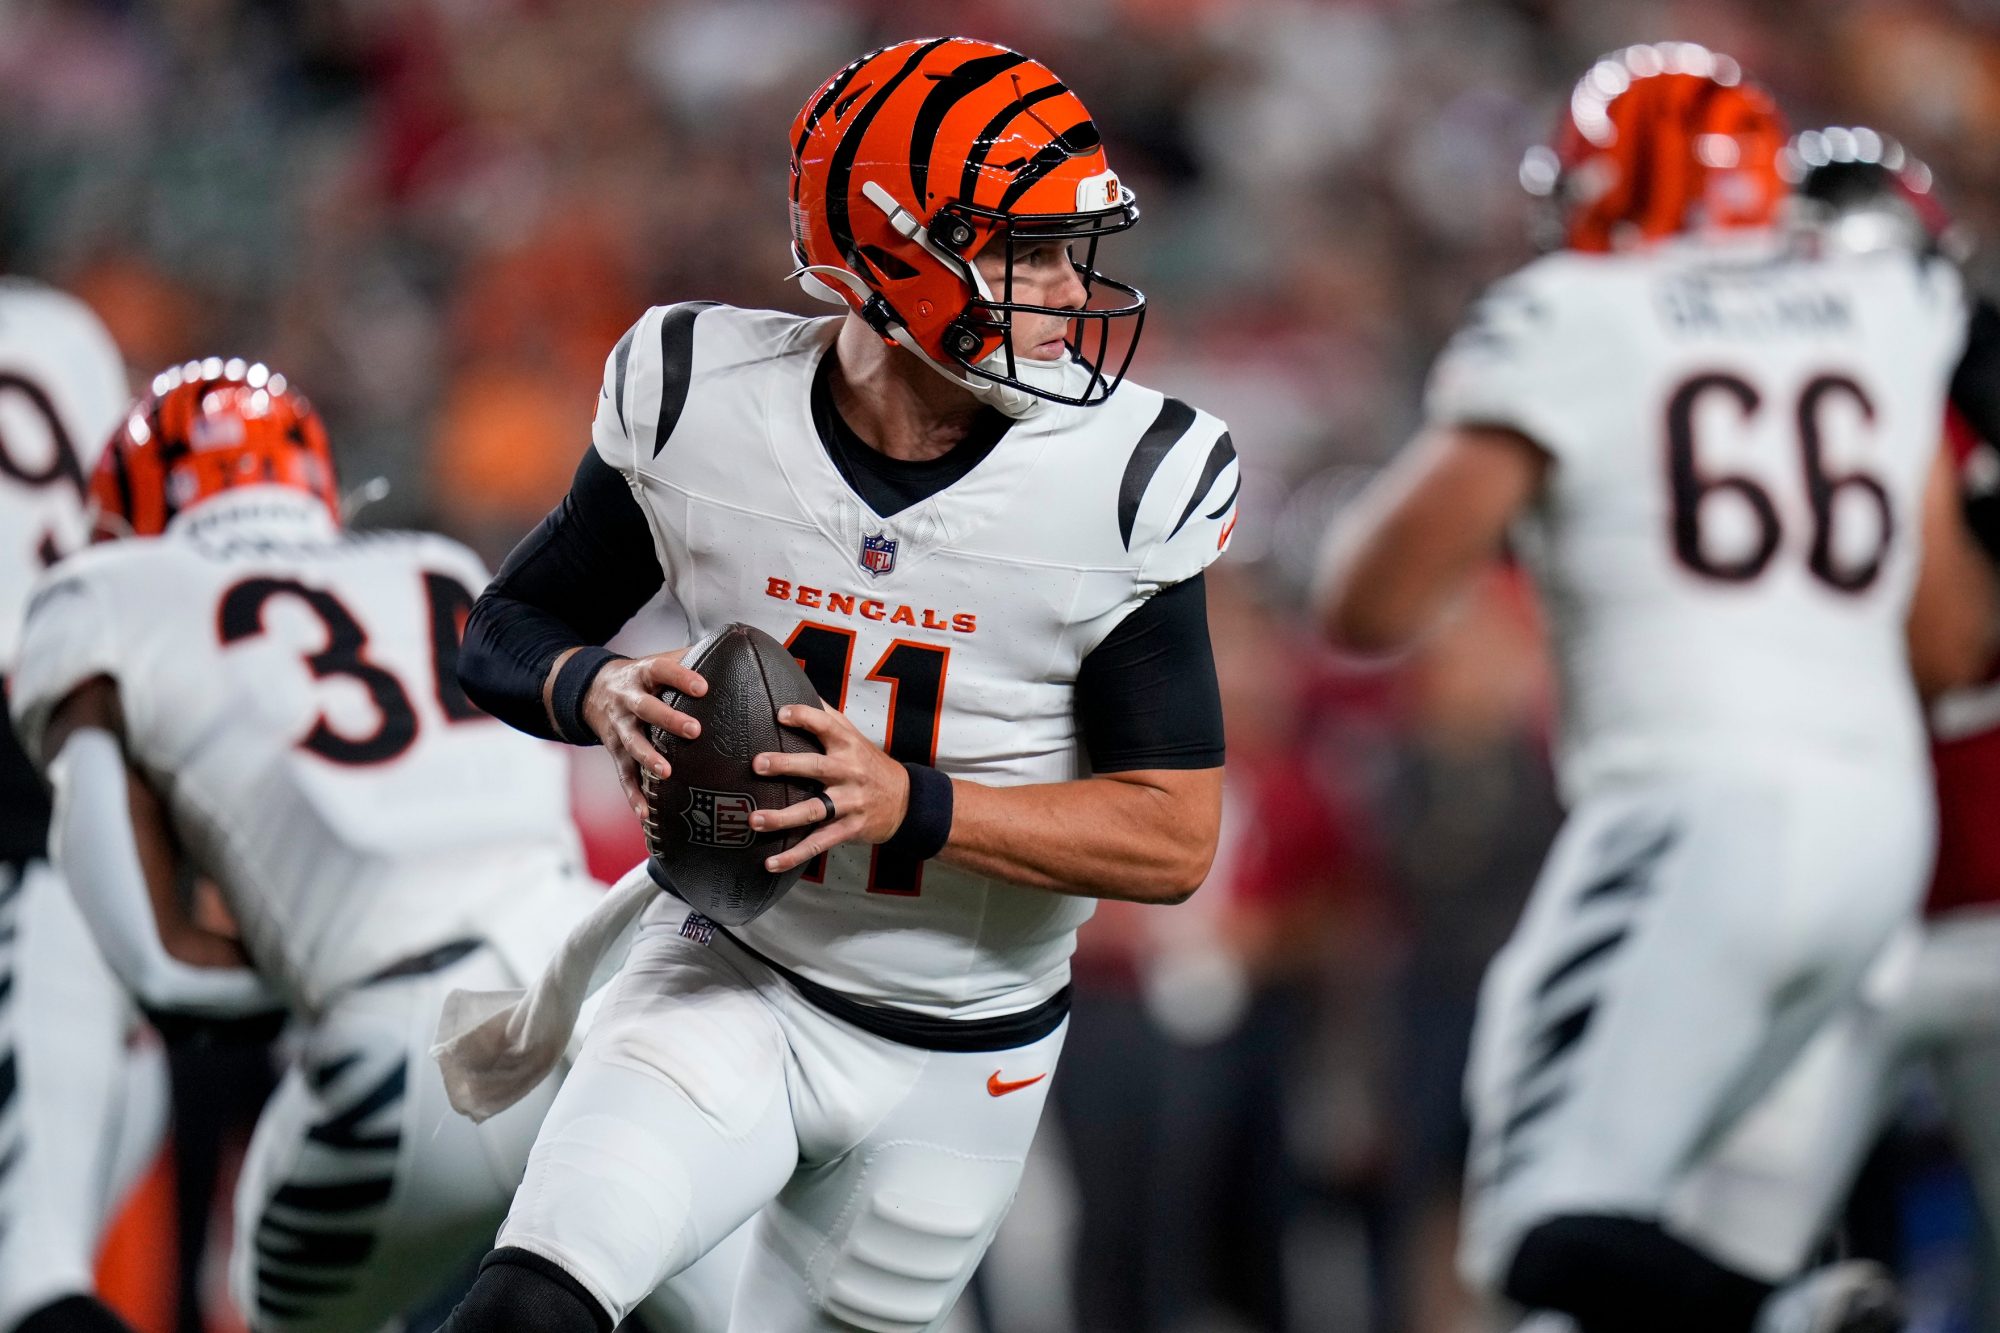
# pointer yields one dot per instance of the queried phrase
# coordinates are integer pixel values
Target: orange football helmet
(206, 427)
(916, 159)
(1659, 140)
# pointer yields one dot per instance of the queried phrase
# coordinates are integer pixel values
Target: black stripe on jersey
(1075, 141)
(840, 170)
(1556, 1039)
(9, 1081)
(344, 1130)
(1219, 457)
(1533, 1111)
(1173, 421)
(826, 99)
(982, 147)
(1593, 952)
(272, 1280)
(1223, 508)
(350, 1196)
(1635, 874)
(6, 987)
(949, 91)
(9, 1160)
(325, 1076)
(676, 367)
(621, 356)
(305, 1247)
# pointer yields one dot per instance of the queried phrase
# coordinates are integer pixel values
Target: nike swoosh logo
(999, 1087)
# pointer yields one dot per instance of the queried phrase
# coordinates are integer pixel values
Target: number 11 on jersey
(914, 673)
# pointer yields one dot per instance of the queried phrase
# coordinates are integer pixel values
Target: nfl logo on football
(878, 554)
(718, 818)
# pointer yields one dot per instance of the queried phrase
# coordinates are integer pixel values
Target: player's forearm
(100, 854)
(1411, 545)
(531, 642)
(1110, 837)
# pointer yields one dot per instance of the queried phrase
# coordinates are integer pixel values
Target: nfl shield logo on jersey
(718, 818)
(878, 553)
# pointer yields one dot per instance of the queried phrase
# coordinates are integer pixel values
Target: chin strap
(824, 282)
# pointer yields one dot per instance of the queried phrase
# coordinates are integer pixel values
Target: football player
(1934, 998)
(1721, 462)
(82, 1084)
(987, 554)
(238, 688)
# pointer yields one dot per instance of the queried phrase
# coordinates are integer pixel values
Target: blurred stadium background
(438, 215)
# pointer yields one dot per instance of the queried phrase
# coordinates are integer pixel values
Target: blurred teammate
(237, 688)
(82, 1086)
(991, 562)
(1935, 997)
(1721, 462)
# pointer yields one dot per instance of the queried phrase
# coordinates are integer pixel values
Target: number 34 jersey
(291, 693)
(1727, 536)
(950, 633)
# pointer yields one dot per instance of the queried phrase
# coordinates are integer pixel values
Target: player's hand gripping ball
(697, 823)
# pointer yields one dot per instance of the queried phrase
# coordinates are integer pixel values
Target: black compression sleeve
(1975, 386)
(575, 580)
(1975, 392)
(1146, 697)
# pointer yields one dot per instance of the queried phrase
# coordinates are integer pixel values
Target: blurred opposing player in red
(1934, 998)
(237, 688)
(82, 1085)
(1720, 460)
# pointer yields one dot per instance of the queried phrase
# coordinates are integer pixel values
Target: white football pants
(364, 1192)
(83, 1094)
(1771, 1192)
(1686, 938)
(708, 1093)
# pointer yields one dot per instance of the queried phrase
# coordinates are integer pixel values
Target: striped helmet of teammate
(921, 157)
(1658, 140)
(204, 428)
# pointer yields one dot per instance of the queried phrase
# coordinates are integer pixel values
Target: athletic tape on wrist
(572, 684)
(926, 822)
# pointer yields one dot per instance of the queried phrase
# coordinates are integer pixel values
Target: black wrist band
(572, 684)
(926, 822)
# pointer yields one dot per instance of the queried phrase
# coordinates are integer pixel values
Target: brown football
(698, 832)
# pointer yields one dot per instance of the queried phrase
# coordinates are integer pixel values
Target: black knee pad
(1627, 1274)
(74, 1314)
(519, 1292)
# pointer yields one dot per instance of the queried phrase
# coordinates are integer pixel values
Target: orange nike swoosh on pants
(999, 1087)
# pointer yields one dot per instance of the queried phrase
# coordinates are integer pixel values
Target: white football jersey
(62, 390)
(951, 632)
(291, 692)
(1727, 539)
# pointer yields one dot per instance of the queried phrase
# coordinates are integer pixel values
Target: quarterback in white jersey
(1721, 462)
(989, 566)
(82, 1086)
(241, 689)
